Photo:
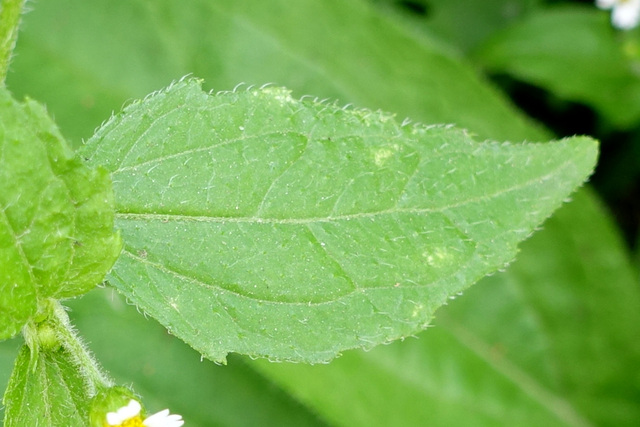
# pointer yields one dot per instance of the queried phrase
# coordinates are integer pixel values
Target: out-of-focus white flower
(129, 416)
(625, 14)
(606, 4)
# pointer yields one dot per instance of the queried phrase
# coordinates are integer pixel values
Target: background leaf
(252, 219)
(590, 66)
(364, 58)
(461, 23)
(53, 393)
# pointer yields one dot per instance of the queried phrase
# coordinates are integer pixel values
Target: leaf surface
(56, 216)
(36, 220)
(53, 393)
(552, 341)
(252, 220)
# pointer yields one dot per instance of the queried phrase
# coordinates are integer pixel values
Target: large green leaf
(590, 65)
(50, 392)
(553, 341)
(56, 216)
(252, 219)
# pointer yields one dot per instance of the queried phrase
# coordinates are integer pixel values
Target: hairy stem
(72, 343)
(10, 11)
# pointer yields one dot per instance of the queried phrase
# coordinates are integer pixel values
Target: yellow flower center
(131, 422)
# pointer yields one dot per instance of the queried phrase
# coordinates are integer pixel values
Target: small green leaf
(56, 216)
(263, 225)
(50, 393)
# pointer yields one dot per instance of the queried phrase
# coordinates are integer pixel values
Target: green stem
(72, 343)
(10, 11)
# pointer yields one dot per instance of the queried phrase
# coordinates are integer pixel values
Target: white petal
(113, 419)
(626, 14)
(163, 419)
(124, 413)
(132, 409)
(605, 4)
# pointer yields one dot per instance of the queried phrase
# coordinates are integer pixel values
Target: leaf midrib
(164, 217)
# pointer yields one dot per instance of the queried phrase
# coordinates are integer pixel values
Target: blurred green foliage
(552, 341)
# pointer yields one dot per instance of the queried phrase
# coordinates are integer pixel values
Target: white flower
(625, 14)
(131, 415)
